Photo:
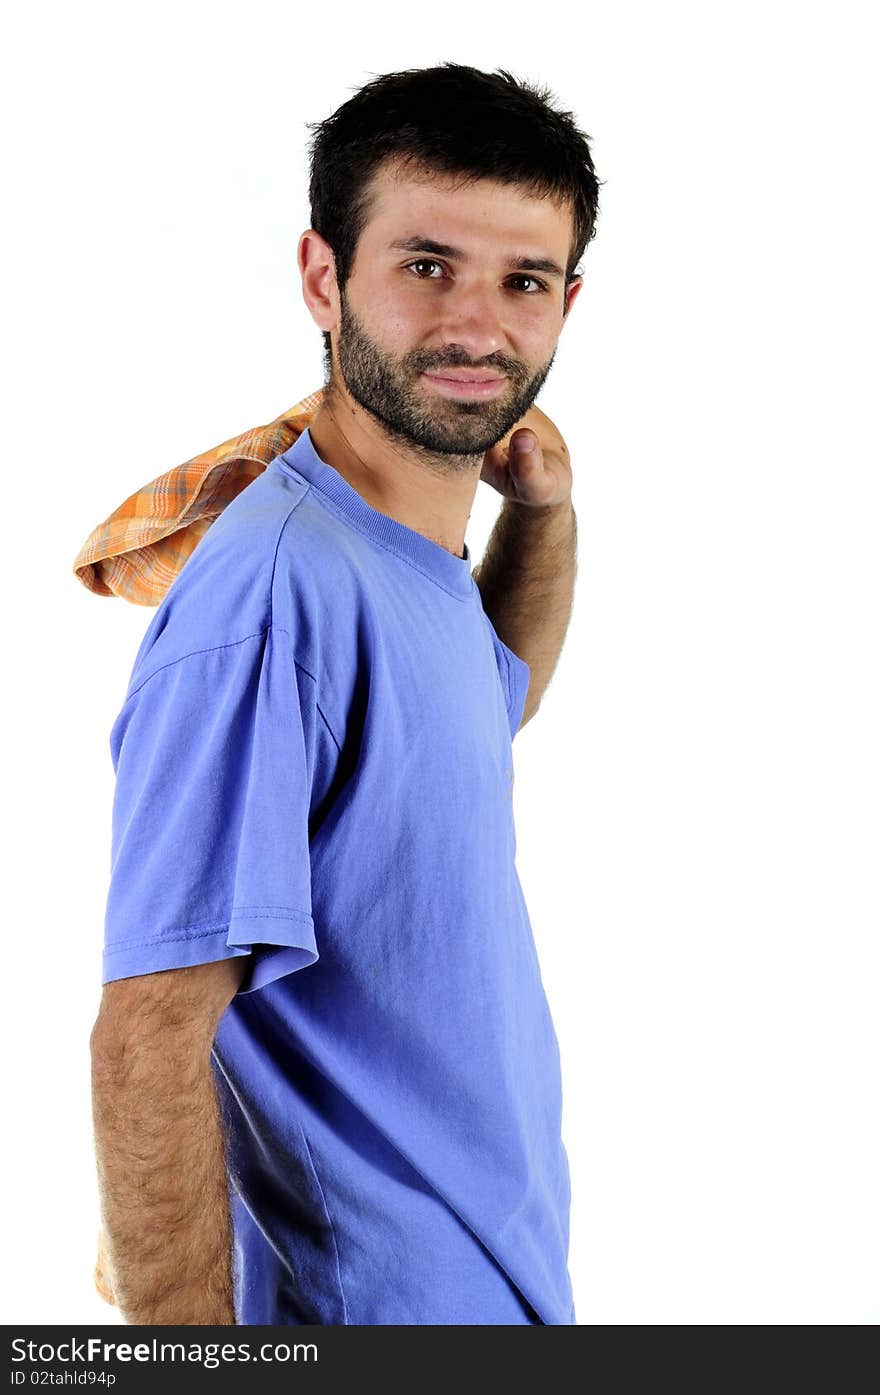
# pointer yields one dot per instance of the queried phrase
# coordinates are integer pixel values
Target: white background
(697, 800)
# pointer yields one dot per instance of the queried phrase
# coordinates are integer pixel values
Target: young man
(325, 1077)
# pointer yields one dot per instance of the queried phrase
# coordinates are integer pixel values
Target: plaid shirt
(139, 549)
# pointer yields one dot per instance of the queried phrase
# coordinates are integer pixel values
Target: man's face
(409, 313)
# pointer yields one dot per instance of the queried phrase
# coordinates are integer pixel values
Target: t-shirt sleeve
(513, 676)
(518, 675)
(210, 825)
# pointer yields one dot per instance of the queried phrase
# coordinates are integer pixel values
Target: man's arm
(526, 581)
(160, 1147)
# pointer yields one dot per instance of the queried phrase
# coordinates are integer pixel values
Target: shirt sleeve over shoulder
(210, 842)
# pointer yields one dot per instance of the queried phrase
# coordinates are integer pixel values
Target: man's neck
(433, 495)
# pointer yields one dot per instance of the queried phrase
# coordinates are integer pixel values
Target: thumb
(523, 443)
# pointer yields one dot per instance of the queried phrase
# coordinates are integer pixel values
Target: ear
(571, 294)
(317, 266)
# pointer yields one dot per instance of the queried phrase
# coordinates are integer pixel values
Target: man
(325, 1078)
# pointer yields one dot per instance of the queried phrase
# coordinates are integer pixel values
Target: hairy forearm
(163, 1183)
(526, 581)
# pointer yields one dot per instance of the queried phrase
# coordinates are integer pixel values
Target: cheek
(396, 320)
(537, 335)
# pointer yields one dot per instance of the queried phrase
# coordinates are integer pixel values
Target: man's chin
(464, 428)
(456, 442)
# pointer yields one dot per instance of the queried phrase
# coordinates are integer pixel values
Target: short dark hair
(455, 120)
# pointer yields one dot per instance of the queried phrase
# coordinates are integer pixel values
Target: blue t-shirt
(314, 768)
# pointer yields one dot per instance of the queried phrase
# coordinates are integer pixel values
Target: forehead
(484, 215)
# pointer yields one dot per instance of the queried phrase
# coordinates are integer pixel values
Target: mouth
(453, 386)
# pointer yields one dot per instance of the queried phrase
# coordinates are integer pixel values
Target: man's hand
(540, 477)
(103, 1282)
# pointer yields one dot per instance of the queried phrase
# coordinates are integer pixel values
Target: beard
(392, 391)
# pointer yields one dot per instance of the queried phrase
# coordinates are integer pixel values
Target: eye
(423, 261)
(542, 286)
(518, 276)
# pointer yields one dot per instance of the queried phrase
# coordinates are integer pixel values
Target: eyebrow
(443, 249)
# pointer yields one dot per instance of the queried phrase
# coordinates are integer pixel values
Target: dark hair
(456, 120)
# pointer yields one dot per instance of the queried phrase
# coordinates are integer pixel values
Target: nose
(471, 319)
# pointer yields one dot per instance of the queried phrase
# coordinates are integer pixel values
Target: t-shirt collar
(450, 571)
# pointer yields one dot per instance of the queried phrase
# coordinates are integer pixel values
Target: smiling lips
(465, 384)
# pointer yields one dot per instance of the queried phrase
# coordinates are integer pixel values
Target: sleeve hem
(282, 945)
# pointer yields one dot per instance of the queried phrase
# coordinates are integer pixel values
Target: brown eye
(540, 284)
(423, 261)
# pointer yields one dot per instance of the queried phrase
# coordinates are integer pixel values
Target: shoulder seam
(307, 487)
(191, 653)
(289, 516)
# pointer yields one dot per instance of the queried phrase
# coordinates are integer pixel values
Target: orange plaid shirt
(139, 549)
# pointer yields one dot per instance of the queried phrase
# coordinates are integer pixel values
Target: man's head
(451, 208)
